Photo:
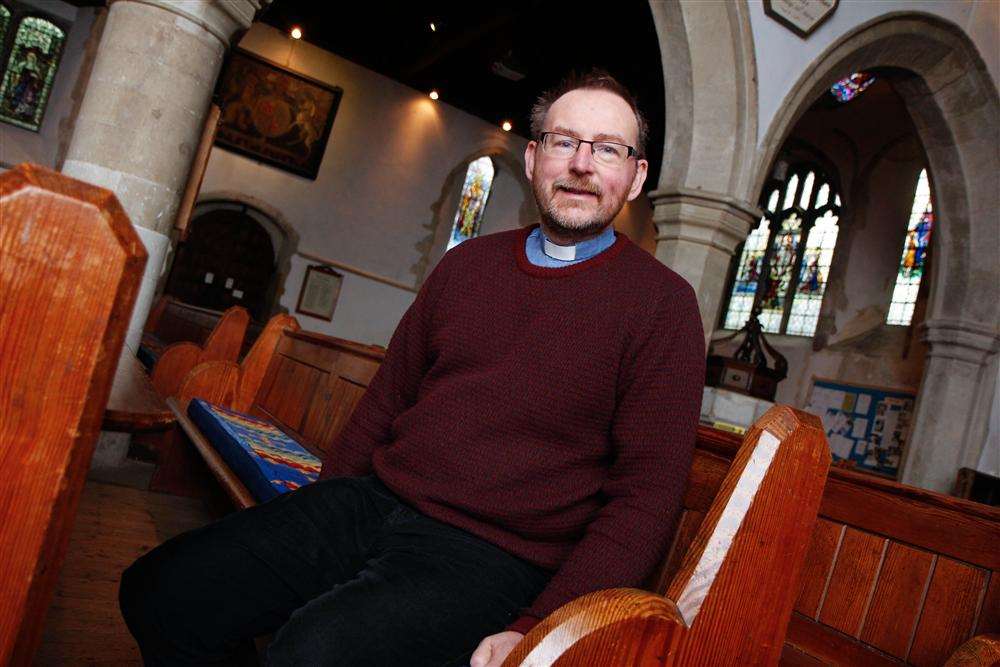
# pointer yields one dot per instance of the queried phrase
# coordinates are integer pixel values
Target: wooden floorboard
(114, 526)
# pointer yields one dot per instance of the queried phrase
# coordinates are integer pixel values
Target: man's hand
(494, 649)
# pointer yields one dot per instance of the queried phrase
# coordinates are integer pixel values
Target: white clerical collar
(566, 253)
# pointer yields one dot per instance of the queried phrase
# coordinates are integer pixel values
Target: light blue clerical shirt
(542, 252)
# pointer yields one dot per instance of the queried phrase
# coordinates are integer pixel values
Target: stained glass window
(31, 68)
(475, 191)
(850, 87)
(783, 268)
(4, 22)
(911, 264)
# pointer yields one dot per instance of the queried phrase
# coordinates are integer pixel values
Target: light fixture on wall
(296, 32)
(434, 95)
(433, 27)
(506, 125)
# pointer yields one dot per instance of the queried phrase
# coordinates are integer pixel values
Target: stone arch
(954, 105)
(283, 235)
(433, 245)
(704, 203)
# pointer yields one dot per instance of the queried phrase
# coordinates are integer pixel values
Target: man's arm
(653, 433)
(394, 387)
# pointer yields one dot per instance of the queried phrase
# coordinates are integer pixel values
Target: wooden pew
(893, 575)
(223, 383)
(70, 267)
(309, 388)
(172, 321)
(178, 359)
(729, 601)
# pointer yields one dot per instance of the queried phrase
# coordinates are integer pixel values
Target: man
(526, 440)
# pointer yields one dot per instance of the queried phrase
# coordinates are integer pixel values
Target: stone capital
(225, 19)
(704, 218)
(963, 340)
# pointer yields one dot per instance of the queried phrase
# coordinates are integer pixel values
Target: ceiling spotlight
(434, 94)
(506, 126)
(433, 28)
(296, 32)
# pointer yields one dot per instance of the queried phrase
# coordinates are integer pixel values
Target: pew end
(70, 268)
(179, 359)
(732, 597)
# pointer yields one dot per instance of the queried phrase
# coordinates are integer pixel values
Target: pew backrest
(894, 575)
(179, 359)
(313, 384)
(70, 268)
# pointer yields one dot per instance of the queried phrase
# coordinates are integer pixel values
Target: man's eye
(563, 143)
(608, 149)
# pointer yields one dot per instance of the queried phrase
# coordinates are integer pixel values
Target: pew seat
(265, 459)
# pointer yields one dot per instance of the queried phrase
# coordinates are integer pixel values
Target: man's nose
(583, 159)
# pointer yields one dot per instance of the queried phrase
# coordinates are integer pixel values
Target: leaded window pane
(4, 22)
(31, 69)
(747, 276)
(785, 263)
(915, 247)
(779, 276)
(813, 274)
(475, 191)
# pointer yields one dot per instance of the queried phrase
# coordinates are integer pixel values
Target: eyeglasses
(565, 147)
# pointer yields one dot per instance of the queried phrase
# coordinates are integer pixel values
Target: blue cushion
(267, 461)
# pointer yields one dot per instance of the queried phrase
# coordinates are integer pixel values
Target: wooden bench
(893, 575)
(309, 388)
(172, 321)
(222, 344)
(70, 267)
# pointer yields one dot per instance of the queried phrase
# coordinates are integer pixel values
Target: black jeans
(342, 570)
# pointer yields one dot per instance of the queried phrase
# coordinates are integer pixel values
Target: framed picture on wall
(320, 290)
(274, 115)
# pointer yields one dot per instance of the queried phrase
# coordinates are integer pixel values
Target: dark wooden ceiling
(541, 39)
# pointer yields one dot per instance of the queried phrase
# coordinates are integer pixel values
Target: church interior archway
(953, 104)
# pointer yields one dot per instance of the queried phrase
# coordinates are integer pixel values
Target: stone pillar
(950, 428)
(696, 235)
(144, 108)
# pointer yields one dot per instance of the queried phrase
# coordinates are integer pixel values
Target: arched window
(784, 265)
(4, 22)
(31, 65)
(475, 191)
(911, 264)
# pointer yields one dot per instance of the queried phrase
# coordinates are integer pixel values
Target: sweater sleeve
(652, 435)
(393, 389)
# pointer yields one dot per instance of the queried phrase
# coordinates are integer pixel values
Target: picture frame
(320, 291)
(274, 115)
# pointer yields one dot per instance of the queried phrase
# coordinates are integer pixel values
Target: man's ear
(529, 159)
(641, 169)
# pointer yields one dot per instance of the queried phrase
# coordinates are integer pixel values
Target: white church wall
(18, 145)
(781, 54)
(389, 155)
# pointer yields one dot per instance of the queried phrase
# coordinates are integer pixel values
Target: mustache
(575, 184)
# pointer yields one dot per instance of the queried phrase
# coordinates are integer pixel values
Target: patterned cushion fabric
(267, 461)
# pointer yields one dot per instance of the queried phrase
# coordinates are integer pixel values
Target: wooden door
(227, 260)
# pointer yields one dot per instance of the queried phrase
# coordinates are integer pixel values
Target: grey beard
(575, 231)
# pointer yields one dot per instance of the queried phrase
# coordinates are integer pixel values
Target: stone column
(144, 108)
(951, 423)
(696, 235)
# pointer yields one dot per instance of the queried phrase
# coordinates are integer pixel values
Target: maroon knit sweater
(550, 411)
